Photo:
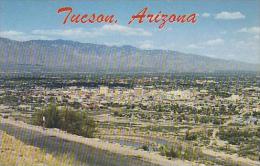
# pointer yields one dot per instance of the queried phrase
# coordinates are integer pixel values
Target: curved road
(87, 151)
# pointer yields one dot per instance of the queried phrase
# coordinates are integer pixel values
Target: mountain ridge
(88, 57)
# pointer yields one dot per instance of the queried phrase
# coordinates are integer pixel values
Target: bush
(145, 147)
(51, 117)
(190, 136)
(75, 122)
(235, 135)
(118, 113)
(179, 151)
(163, 150)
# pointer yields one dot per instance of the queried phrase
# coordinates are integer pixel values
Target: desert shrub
(163, 149)
(51, 114)
(236, 136)
(75, 122)
(145, 147)
(179, 151)
(205, 119)
(191, 136)
(118, 113)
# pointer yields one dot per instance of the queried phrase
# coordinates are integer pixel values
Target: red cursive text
(85, 18)
(161, 18)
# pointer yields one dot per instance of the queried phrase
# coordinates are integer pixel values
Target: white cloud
(96, 32)
(76, 34)
(125, 30)
(21, 36)
(11, 33)
(194, 46)
(147, 44)
(206, 15)
(214, 42)
(59, 32)
(252, 30)
(209, 43)
(229, 15)
(247, 45)
(257, 37)
(242, 49)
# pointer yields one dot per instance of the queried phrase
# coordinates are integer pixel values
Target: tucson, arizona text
(142, 16)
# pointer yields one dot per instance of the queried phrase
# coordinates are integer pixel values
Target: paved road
(89, 152)
(87, 155)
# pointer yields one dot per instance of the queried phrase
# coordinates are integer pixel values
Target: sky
(224, 29)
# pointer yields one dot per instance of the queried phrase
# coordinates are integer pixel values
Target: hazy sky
(224, 29)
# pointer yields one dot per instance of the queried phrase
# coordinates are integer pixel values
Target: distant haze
(61, 55)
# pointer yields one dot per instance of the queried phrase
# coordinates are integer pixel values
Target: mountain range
(70, 56)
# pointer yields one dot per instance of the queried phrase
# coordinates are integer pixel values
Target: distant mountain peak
(60, 55)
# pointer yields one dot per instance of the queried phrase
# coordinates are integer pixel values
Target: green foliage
(205, 119)
(75, 122)
(145, 147)
(236, 136)
(179, 151)
(217, 121)
(196, 119)
(222, 94)
(118, 113)
(190, 136)
(249, 150)
(9, 100)
(163, 150)
(52, 117)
